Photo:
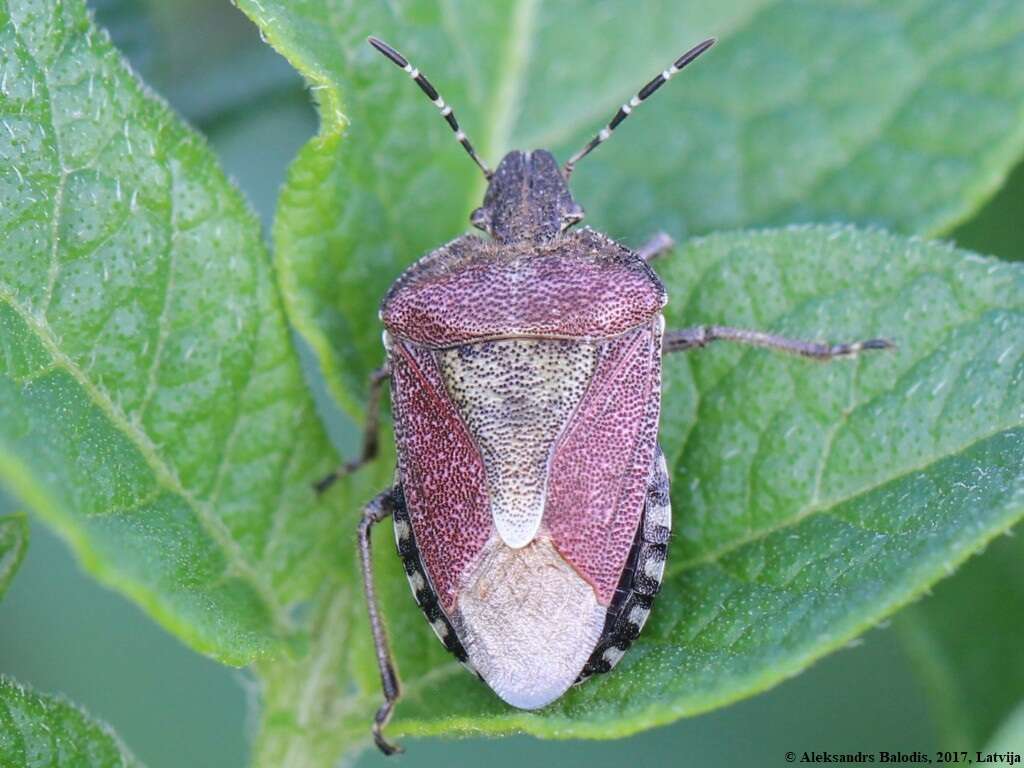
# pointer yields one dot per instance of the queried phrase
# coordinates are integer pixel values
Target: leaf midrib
(62, 171)
(662, 712)
(364, 701)
(713, 556)
(508, 93)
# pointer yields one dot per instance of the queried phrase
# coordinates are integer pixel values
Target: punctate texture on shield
(443, 474)
(472, 289)
(599, 471)
(515, 396)
(526, 439)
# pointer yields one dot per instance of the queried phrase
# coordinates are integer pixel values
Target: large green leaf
(151, 406)
(902, 114)
(13, 540)
(38, 731)
(810, 500)
(965, 642)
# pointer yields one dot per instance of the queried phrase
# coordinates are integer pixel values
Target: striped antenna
(635, 102)
(446, 111)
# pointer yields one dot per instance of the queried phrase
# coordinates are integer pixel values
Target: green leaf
(151, 405)
(38, 731)
(965, 642)
(810, 500)
(13, 542)
(905, 114)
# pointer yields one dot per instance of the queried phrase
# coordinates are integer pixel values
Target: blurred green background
(175, 708)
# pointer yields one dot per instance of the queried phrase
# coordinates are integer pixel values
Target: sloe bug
(531, 504)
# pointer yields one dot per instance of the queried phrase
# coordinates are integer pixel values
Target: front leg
(380, 508)
(371, 432)
(702, 335)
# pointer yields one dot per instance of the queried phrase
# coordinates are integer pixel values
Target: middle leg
(657, 246)
(371, 432)
(702, 335)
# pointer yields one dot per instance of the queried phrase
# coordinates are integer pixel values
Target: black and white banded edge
(641, 579)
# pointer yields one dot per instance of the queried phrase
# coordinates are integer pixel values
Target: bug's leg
(702, 335)
(657, 246)
(371, 432)
(379, 509)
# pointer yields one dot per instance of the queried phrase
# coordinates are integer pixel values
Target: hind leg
(379, 508)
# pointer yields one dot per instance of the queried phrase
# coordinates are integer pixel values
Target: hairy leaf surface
(152, 409)
(151, 406)
(40, 730)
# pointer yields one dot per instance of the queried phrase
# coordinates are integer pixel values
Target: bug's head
(527, 199)
(528, 196)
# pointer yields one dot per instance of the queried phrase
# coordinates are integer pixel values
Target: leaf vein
(789, 522)
(165, 474)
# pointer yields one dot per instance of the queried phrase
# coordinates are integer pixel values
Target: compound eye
(481, 219)
(572, 216)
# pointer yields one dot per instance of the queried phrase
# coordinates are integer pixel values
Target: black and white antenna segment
(446, 111)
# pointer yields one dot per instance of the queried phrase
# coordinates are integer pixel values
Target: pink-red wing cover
(598, 475)
(571, 464)
(442, 471)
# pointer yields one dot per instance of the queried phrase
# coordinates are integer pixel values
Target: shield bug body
(531, 503)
